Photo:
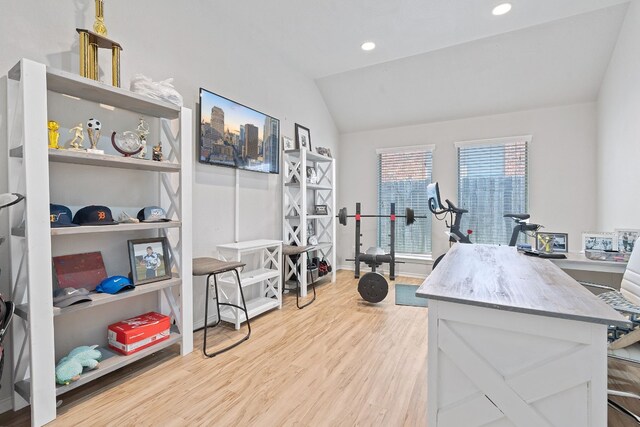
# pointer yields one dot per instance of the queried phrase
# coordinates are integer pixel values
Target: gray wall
(562, 175)
(619, 131)
(200, 46)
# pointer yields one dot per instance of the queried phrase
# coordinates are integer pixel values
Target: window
(492, 181)
(403, 176)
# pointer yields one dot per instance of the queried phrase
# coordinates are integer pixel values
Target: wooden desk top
(499, 277)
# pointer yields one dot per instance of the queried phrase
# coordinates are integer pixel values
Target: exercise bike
(522, 224)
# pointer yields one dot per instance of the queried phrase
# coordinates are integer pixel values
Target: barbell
(409, 216)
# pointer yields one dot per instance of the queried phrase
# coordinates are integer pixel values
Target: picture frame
(627, 238)
(560, 241)
(288, 143)
(149, 260)
(312, 175)
(321, 210)
(323, 151)
(303, 137)
(599, 241)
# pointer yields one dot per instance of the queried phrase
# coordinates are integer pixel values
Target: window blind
(403, 176)
(492, 181)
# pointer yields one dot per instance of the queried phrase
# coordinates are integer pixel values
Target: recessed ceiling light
(501, 9)
(368, 46)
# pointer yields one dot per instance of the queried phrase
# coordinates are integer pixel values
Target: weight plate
(342, 216)
(373, 287)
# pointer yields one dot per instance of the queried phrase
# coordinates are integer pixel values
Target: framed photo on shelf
(303, 137)
(320, 210)
(149, 260)
(323, 151)
(559, 242)
(626, 239)
(599, 242)
(288, 143)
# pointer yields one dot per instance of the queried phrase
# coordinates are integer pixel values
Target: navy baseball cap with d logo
(60, 216)
(94, 215)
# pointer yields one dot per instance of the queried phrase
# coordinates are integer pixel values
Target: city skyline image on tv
(234, 135)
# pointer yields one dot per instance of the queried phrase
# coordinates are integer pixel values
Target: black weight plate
(373, 287)
(409, 216)
(342, 216)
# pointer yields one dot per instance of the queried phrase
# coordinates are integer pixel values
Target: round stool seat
(289, 250)
(204, 266)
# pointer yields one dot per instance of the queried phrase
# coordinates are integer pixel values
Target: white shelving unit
(298, 199)
(33, 340)
(261, 279)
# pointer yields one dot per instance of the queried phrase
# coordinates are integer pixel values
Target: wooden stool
(290, 250)
(212, 267)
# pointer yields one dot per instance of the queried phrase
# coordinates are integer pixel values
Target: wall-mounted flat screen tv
(234, 135)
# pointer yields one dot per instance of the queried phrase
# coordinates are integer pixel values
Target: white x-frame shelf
(33, 342)
(299, 198)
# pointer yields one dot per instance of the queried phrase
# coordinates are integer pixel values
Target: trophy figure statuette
(143, 131)
(76, 142)
(91, 41)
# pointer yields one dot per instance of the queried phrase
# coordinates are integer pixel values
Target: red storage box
(132, 335)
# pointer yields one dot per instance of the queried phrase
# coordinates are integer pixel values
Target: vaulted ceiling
(436, 59)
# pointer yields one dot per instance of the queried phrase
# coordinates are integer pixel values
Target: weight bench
(291, 250)
(624, 343)
(209, 267)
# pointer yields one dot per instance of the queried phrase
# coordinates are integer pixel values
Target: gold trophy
(91, 41)
(54, 135)
(99, 26)
(93, 129)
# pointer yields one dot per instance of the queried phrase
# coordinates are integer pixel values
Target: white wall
(619, 131)
(200, 45)
(562, 169)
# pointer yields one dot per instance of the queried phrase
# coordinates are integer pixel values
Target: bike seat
(517, 216)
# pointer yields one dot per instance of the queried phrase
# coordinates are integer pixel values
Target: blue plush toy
(70, 367)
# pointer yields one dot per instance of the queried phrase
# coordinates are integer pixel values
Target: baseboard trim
(6, 404)
(403, 274)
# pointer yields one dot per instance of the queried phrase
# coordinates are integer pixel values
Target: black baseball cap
(94, 215)
(60, 216)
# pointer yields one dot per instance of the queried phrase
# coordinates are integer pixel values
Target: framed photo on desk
(559, 241)
(626, 239)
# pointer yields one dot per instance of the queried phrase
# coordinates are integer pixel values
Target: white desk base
(490, 367)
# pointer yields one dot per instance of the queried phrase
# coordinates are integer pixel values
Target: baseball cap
(67, 296)
(94, 215)
(60, 216)
(152, 214)
(114, 284)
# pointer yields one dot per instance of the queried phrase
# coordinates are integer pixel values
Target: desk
(578, 261)
(513, 340)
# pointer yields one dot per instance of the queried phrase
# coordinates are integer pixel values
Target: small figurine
(54, 135)
(76, 142)
(143, 131)
(93, 129)
(157, 152)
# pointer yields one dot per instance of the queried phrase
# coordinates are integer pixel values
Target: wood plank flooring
(338, 362)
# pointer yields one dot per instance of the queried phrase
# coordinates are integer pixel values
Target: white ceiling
(323, 37)
(561, 62)
(436, 59)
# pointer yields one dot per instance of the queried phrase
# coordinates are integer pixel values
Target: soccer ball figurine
(93, 129)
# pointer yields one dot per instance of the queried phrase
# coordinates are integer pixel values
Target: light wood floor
(337, 362)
